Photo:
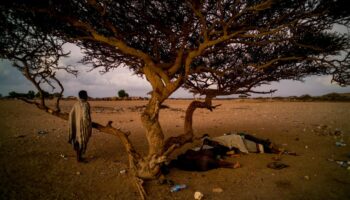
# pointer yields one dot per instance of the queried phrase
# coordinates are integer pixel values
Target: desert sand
(36, 161)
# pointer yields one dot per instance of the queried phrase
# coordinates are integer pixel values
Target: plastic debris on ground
(340, 144)
(198, 195)
(277, 165)
(41, 132)
(177, 187)
(341, 163)
(63, 156)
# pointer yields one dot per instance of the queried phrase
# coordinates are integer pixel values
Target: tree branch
(173, 143)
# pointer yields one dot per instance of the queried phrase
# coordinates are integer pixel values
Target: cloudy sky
(106, 85)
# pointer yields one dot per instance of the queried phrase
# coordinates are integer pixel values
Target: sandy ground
(43, 166)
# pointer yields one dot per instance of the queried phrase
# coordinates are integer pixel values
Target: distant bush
(334, 97)
(48, 95)
(56, 94)
(29, 95)
(243, 96)
(44, 93)
(122, 94)
(278, 98)
(305, 97)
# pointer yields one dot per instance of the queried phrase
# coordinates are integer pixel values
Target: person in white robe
(80, 126)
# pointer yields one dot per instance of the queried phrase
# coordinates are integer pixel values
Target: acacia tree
(210, 47)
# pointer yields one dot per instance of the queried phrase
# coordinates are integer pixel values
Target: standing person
(80, 125)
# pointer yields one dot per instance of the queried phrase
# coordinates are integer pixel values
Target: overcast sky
(106, 85)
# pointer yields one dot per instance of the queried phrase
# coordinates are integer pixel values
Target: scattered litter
(41, 132)
(277, 165)
(324, 130)
(306, 177)
(341, 163)
(218, 190)
(306, 147)
(340, 144)
(78, 173)
(122, 171)
(63, 156)
(198, 195)
(177, 187)
(289, 153)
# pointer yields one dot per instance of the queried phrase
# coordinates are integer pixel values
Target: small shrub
(122, 94)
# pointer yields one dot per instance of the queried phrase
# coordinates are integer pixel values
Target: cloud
(96, 83)
(12, 80)
(106, 84)
(75, 54)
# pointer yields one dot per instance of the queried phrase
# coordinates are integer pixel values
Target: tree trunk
(154, 133)
(148, 167)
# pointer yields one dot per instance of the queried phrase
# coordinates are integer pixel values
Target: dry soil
(36, 161)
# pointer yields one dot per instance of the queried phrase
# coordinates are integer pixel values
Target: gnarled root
(147, 168)
(139, 185)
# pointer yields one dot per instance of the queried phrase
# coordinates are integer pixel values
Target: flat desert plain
(36, 161)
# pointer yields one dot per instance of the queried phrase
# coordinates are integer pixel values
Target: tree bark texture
(188, 135)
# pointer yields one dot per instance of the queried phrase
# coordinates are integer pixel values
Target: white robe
(230, 141)
(239, 142)
(80, 126)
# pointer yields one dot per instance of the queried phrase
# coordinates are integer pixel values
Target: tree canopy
(221, 43)
(34, 53)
